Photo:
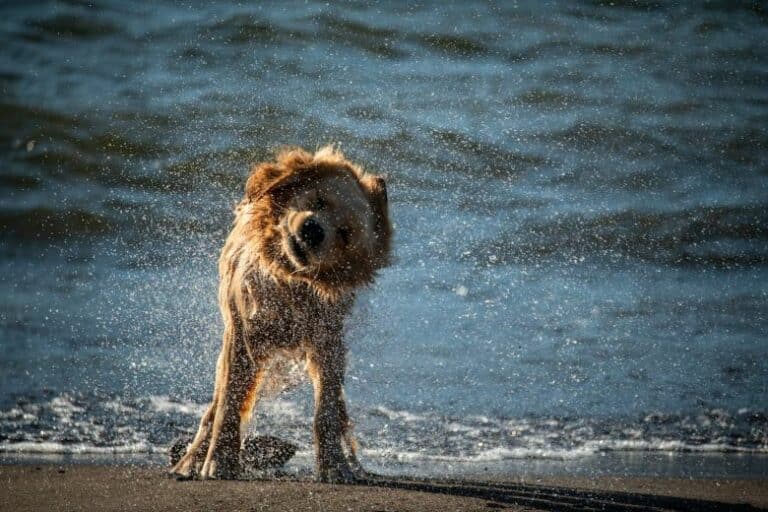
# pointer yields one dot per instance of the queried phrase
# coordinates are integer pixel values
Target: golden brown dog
(311, 229)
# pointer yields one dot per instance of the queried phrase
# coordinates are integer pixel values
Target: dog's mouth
(297, 252)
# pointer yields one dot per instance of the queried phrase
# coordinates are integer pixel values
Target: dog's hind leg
(349, 441)
(326, 369)
(251, 397)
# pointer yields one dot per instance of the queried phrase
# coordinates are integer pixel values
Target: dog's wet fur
(311, 229)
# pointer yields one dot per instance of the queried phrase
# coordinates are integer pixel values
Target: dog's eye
(344, 235)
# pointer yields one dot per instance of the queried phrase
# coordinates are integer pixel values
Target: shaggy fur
(310, 230)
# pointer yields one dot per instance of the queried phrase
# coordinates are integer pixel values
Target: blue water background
(578, 191)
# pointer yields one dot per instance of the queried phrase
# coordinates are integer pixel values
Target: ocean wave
(45, 223)
(523, 135)
(375, 40)
(495, 454)
(83, 424)
(164, 404)
(405, 416)
(70, 26)
(48, 447)
(718, 236)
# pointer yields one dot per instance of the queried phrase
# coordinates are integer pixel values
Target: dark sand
(82, 487)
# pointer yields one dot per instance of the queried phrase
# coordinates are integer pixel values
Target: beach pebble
(262, 452)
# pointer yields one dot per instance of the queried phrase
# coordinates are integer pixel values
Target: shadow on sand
(555, 498)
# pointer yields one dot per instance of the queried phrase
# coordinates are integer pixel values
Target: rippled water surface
(578, 191)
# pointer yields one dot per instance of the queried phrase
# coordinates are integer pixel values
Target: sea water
(579, 199)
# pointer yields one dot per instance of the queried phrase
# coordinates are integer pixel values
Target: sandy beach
(107, 488)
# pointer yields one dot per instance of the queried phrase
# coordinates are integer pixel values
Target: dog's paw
(182, 467)
(221, 468)
(336, 474)
(189, 466)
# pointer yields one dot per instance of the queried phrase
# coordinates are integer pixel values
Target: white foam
(661, 445)
(76, 448)
(62, 404)
(162, 403)
(51, 426)
(16, 414)
(118, 407)
(400, 415)
(498, 453)
(280, 408)
(272, 407)
(503, 453)
(455, 426)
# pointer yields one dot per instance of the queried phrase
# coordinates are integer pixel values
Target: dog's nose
(312, 233)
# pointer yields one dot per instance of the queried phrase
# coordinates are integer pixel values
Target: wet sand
(107, 488)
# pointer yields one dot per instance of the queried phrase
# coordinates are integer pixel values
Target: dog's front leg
(188, 465)
(217, 444)
(326, 369)
(238, 377)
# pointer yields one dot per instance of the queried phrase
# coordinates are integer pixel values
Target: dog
(310, 230)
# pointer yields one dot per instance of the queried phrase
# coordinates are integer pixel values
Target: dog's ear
(263, 177)
(377, 194)
(266, 175)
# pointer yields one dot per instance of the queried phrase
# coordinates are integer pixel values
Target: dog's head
(319, 219)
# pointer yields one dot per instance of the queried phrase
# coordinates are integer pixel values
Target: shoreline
(680, 465)
(99, 487)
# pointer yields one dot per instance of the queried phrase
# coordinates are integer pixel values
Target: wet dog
(311, 229)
